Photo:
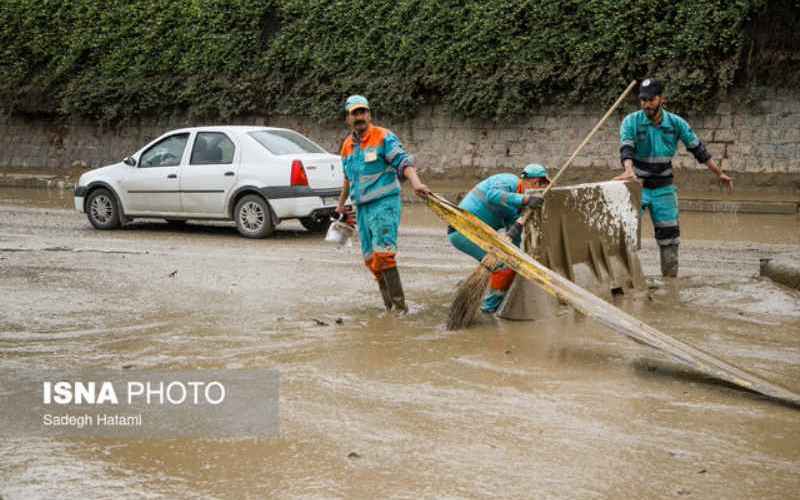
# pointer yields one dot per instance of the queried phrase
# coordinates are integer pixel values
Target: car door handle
(172, 176)
(229, 174)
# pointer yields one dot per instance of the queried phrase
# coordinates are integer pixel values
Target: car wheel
(316, 224)
(102, 209)
(253, 217)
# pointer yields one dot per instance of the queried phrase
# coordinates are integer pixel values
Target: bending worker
(498, 201)
(649, 140)
(374, 164)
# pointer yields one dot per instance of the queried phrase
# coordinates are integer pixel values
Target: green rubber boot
(395, 287)
(669, 261)
(387, 297)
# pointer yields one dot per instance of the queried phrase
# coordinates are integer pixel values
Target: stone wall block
(740, 121)
(582, 161)
(737, 163)
(761, 135)
(724, 108)
(792, 135)
(711, 122)
(785, 151)
(757, 165)
(724, 135)
(716, 149)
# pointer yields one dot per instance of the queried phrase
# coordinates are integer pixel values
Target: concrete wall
(758, 142)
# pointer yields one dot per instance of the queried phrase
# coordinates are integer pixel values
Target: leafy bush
(122, 59)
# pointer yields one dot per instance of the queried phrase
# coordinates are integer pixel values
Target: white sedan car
(255, 176)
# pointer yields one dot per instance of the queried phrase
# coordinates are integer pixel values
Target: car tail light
(299, 177)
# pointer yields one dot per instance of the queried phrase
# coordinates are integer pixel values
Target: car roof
(238, 129)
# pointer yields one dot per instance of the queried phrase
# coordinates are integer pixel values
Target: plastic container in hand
(339, 233)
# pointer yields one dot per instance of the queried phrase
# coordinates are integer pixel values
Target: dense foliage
(118, 59)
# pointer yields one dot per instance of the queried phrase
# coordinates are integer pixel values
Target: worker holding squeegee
(498, 201)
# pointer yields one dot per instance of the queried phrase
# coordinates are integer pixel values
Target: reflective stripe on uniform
(644, 173)
(391, 155)
(381, 191)
(669, 241)
(665, 223)
(367, 179)
(652, 168)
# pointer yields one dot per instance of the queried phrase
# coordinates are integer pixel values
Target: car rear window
(285, 142)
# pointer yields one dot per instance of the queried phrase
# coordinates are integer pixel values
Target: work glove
(533, 200)
(515, 231)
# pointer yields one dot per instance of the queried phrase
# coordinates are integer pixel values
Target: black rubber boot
(392, 278)
(387, 297)
(669, 261)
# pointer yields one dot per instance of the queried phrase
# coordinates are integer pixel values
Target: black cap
(649, 88)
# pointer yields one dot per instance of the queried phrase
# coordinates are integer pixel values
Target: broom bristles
(470, 294)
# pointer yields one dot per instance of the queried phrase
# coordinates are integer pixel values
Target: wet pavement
(387, 407)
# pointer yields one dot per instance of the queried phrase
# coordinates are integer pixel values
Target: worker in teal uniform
(498, 201)
(649, 139)
(375, 163)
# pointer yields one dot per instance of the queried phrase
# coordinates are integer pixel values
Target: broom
(470, 293)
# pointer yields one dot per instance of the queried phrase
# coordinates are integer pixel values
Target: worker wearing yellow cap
(375, 163)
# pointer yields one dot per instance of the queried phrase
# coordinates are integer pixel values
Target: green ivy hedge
(120, 59)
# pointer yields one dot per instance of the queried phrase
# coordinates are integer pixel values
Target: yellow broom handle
(595, 129)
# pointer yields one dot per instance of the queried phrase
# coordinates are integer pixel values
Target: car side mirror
(129, 161)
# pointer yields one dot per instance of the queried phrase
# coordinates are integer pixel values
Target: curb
(783, 207)
(740, 206)
(38, 181)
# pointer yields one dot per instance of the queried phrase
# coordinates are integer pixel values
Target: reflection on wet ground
(380, 406)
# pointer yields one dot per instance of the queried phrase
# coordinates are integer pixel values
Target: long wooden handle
(588, 137)
(567, 163)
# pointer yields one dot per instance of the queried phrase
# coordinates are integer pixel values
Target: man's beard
(358, 123)
(652, 113)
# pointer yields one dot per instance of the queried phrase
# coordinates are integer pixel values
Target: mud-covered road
(386, 407)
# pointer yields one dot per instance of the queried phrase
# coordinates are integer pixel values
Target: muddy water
(549, 409)
(754, 228)
(39, 198)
